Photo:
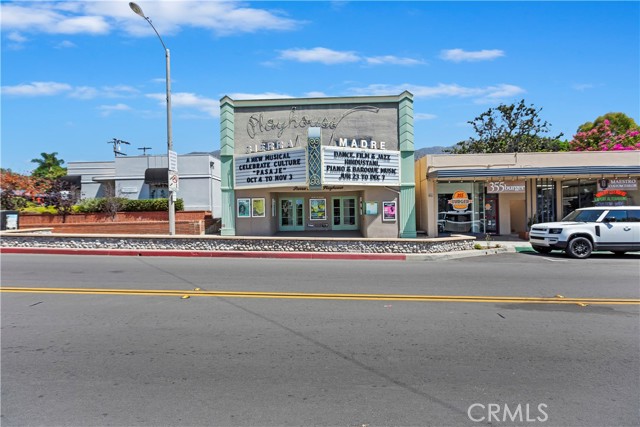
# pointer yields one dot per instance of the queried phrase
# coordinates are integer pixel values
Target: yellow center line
(325, 296)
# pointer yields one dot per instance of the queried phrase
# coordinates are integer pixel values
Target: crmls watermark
(502, 413)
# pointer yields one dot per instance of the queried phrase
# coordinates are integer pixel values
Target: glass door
(491, 214)
(345, 213)
(291, 214)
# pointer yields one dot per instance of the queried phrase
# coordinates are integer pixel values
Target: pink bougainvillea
(601, 138)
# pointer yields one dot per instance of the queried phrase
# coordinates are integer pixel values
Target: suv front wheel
(579, 247)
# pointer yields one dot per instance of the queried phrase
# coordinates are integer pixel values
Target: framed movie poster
(318, 209)
(389, 211)
(244, 208)
(257, 207)
(371, 208)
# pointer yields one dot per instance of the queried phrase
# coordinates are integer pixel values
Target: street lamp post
(172, 207)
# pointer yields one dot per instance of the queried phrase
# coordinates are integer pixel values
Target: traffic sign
(173, 161)
(173, 181)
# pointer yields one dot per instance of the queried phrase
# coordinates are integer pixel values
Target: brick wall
(191, 223)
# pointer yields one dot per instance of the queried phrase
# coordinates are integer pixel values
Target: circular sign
(460, 201)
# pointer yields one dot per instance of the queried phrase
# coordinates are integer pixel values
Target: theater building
(311, 165)
(502, 194)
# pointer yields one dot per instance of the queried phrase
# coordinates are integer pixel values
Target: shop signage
(259, 124)
(460, 201)
(617, 184)
(361, 143)
(273, 145)
(281, 168)
(360, 167)
(610, 198)
(494, 187)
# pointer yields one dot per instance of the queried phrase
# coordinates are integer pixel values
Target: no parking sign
(173, 181)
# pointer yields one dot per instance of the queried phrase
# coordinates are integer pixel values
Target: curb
(262, 255)
(206, 254)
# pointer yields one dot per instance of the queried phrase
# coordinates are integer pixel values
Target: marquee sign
(360, 166)
(271, 169)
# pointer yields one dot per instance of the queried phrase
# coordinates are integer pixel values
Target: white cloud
(459, 55)
(424, 116)
(319, 54)
(106, 110)
(393, 60)
(102, 17)
(265, 95)
(328, 56)
(16, 37)
(79, 92)
(84, 92)
(582, 86)
(119, 91)
(189, 100)
(65, 44)
(36, 89)
(315, 94)
(480, 94)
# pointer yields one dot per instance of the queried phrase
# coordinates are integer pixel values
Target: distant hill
(418, 153)
(430, 150)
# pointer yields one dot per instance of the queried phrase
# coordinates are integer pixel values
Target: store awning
(156, 176)
(549, 171)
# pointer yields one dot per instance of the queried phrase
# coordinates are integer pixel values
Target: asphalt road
(139, 360)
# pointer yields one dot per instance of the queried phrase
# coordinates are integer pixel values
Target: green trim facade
(353, 148)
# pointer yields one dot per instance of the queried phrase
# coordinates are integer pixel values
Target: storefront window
(545, 200)
(158, 191)
(461, 207)
(577, 193)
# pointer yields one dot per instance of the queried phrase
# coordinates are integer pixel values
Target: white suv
(605, 228)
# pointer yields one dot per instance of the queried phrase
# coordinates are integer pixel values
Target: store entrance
(291, 214)
(491, 213)
(344, 213)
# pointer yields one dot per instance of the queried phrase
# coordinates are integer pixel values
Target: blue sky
(77, 74)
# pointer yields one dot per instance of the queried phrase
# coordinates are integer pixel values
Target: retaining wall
(190, 223)
(226, 243)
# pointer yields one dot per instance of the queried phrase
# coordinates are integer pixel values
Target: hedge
(125, 205)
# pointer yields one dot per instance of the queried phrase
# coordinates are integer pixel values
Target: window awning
(544, 171)
(156, 176)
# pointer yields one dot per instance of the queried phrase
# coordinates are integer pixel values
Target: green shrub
(40, 210)
(88, 206)
(125, 205)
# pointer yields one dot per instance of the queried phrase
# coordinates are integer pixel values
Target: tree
(16, 189)
(62, 195)
(619, 123)
(508, 129)
(49, 166)
(604, 137)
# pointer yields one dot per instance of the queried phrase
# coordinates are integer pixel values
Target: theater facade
(306, 166)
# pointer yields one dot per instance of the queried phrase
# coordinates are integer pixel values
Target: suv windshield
(584, 216)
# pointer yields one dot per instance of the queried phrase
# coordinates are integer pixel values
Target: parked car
(604, 228)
